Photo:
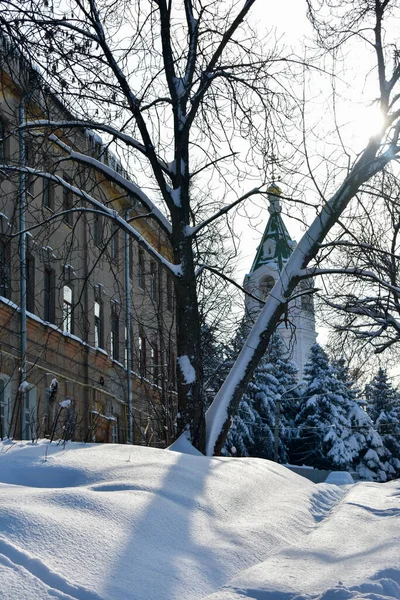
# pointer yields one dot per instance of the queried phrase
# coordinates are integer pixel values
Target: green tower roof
(276, 244)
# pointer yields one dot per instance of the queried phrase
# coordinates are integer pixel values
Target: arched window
(307, 300)
(265, 286)
(307, 303)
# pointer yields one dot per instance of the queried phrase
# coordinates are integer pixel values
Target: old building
(276, 246)
(86, 314)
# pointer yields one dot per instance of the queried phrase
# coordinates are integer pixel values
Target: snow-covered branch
(92, 125)
(114, 176)
(113, 214)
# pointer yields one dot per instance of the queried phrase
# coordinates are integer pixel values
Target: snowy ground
(115, 522)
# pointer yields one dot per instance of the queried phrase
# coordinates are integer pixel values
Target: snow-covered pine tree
(384, 408)
(380, 395)
(290, 391)
(322, 423)
(370, 458)
(253, 429)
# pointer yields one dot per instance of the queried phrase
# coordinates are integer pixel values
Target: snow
(339, 478)
(187, 370)
(182, 444)
(97, 522)
(65, 403)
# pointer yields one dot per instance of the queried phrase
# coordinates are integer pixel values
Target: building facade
(87, 323)
(298, 331)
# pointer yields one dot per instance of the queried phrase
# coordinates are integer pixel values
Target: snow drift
(93, 522)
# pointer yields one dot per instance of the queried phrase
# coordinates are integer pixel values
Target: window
(98, 325)
(114, 243)
(141, 274)
(4, 269)
(266, 286)
(153, 281)
(170, 292)
(98, 229)
(49, 295)
(142, 355)
(67, 322)
(48, 192)
(114, 432)
(68, 202)
(307, 303)
(30, 283)
(114, 335)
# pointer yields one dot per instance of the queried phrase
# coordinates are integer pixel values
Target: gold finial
(274, 191)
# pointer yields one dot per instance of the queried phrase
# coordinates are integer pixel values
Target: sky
(289, 19)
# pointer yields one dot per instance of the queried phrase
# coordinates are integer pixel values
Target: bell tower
(272, 254)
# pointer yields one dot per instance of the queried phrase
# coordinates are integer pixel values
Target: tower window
(307, 303)
(266, 286)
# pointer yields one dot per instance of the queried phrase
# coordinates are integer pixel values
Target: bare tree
(360, 298)
(189, 97)
(173, 86)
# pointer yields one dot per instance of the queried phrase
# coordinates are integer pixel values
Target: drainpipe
(128, 334)
(22, 253)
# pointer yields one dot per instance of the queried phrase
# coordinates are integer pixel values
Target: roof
(276, 244)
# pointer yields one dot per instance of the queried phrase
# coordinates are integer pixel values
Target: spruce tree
(384, 409)
(322, 423)
(280, 385)
(253, 428)
(380, 395)
(370, 458)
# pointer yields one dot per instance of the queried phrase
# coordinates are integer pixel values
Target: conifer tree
(371, 459)
(253, 429)
(322, 422)
(380, 395)
(384, 409)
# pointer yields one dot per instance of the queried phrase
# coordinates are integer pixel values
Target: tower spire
(276, 244)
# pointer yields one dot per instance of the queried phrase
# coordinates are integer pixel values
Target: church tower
(272, 254)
